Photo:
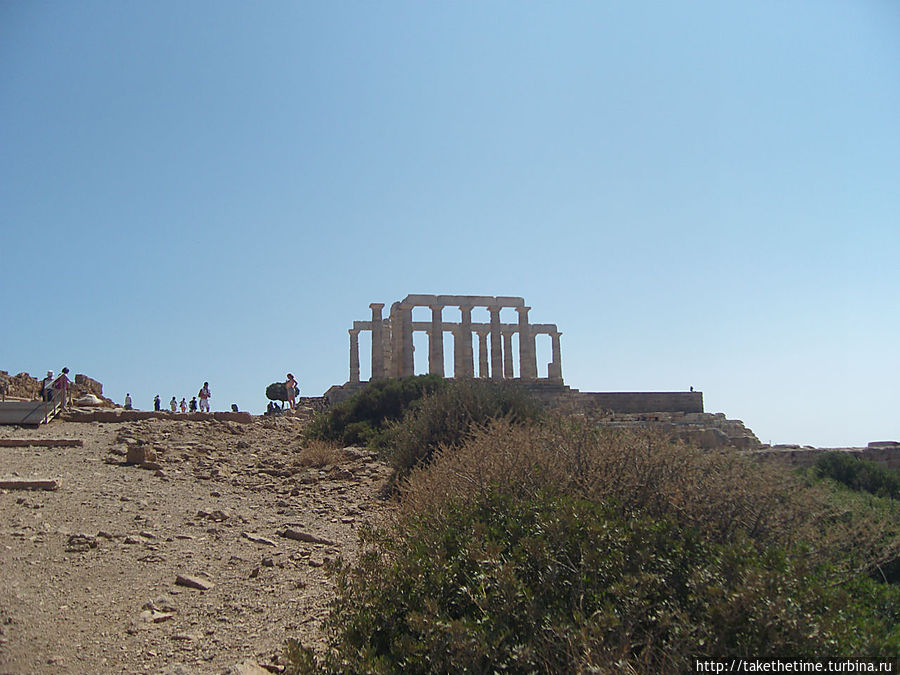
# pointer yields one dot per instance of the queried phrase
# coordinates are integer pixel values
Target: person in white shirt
(204, 397)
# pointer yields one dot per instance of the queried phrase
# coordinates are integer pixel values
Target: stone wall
(885, 453)
(643, 402)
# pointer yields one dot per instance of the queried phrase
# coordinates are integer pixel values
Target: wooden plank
(41, 442)
(28, 484)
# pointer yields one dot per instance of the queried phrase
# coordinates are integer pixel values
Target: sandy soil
(89, 571)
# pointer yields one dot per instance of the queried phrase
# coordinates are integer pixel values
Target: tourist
(292, 390)
(127, 401)
(47, 386)
(192, 406)
(156, 403)
(183, 405)
(62, 386)
(173, 404)
(204, 397)
(234, 407)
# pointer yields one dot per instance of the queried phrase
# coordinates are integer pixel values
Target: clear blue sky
(699, 194)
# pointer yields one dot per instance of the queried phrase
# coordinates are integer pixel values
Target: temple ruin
(506, 352)
(393, 348)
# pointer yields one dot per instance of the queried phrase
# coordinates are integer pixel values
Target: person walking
(183, 405)
(127, 401)
(156, 403)
(204, 397)
(61, 385)
(293, 388)
(192, 406)
(47, 386)
(173, 404)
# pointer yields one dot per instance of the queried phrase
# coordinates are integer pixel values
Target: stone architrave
(436, 342)
(377, 346)
(466, 364)
(483, 354)
(527, 354)
(507, 355)
(496, 346)
(354, 355)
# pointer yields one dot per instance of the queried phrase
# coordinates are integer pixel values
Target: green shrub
(858, 474)
(557, 583)
(446, 416)
(561, 547)
(860, 486)
(359, 419)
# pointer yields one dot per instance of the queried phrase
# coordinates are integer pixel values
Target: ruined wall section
(883, 453)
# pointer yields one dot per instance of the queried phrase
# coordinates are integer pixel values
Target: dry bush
(716, 492)
(318, 453)
(564, 547)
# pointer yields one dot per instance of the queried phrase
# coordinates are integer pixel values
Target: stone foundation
(883, 453)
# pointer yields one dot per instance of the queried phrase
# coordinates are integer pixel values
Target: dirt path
(89, 570)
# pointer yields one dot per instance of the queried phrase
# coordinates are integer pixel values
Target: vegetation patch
(858, 474)
(360, 419)
(447, 416)
(560, 547)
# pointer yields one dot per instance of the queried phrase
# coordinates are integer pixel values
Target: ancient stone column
(377, 346)
(354, 355)
(436, 342)
(507, 355)
(408, 361)
(396, 341)
(554, 370)
(482, 353)
(496, 347)
(387, 348)
(527, 356)
(457, 352)
(464, 343)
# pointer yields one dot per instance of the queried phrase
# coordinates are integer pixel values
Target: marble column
(408, 361)
(387, 348)
(482, 353)
(436, 342)
(507, 355)
(396, 341)
(554, 370)
(527, 356)
(354, 355)
(457, 352)
(377, 346)
(496, 346)
(464, 343)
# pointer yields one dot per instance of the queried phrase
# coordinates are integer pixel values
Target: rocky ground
(204, 560)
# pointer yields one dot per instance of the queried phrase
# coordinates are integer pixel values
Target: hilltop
(90, 569)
